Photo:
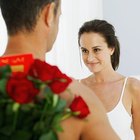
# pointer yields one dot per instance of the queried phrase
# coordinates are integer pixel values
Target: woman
(120, 95)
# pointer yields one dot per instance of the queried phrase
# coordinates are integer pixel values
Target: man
(32, 28)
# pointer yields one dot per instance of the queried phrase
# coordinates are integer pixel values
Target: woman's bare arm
(134, 86)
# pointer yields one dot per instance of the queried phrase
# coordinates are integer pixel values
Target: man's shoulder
(87, 94)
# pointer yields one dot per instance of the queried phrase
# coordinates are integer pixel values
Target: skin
(42, 39)
(97, 57)
(95, 123)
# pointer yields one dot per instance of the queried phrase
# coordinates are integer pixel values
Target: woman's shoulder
(134, 85)
(133, 82)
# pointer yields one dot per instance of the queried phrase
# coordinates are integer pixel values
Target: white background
(122, 14)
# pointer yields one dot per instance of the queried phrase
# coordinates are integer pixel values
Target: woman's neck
(106, 76)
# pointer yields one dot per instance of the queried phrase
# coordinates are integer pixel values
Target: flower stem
(44, 110)
(15, 109)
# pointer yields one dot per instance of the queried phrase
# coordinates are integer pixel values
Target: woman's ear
(49, 14)
(112, 51)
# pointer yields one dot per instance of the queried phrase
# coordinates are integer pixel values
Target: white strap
(123, 88)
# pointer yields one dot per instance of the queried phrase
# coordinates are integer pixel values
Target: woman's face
(95, 52)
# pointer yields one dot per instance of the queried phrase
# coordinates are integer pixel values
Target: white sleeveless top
(120, 119)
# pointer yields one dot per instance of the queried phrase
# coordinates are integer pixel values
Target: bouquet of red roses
(30, 105)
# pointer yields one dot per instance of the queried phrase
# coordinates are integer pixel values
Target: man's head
(37, 17)
(22, 15)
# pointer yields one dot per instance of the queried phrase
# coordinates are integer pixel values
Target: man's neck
(22, 44)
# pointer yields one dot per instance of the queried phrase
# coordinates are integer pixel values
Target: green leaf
(3, 137)
(3, 86)
(39, 126)
(58, 128)
(1, 117)
(48, 91)
(56, 122)
(7, 130)
(49, 136)
(60, 105)
(5, 71)
(9, 109)
(21, 135)
(57, 118)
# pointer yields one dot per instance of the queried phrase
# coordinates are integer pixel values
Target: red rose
(20, 89)
(53, 77)
(59, 85)
(60, 82)
(42, 70)
(79, 105)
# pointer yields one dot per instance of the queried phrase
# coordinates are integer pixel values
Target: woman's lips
(94, 63)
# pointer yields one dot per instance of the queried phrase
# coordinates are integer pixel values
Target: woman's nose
(90, 57)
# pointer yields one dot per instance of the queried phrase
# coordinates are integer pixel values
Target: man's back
(95, 126)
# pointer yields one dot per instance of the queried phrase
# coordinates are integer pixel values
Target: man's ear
(49, 14)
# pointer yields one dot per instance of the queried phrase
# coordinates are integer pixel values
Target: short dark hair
(22, 15)
(108, 32)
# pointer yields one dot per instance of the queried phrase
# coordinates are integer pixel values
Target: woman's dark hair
(108, 32)
(22, 15)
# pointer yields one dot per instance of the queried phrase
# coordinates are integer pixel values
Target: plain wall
(3, 35)
(65, 53)
(124, 15)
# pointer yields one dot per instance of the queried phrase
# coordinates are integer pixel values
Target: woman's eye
(96, 50)
(84, 51)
